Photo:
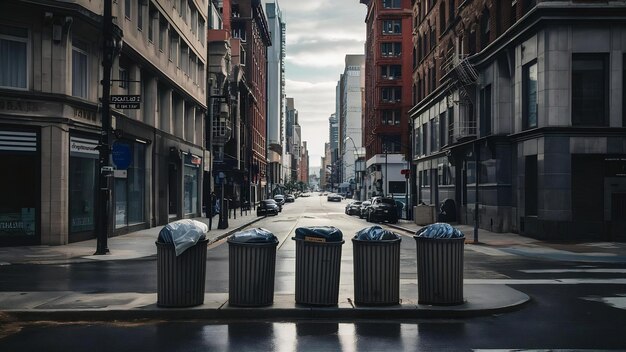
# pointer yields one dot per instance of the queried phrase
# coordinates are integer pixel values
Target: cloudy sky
(320, 33)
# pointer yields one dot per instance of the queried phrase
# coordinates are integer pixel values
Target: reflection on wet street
(234, 336)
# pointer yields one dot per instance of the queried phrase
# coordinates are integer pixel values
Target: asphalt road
(574, 305)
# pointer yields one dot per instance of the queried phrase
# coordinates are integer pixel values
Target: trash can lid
(440, 230)
(183, 234)
(319, 234)
(255, 235)
(375, 233)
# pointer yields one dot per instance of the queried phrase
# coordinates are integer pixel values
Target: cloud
(319, 35)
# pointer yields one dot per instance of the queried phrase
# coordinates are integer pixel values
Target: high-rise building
(388, 81)
(249, 25)
(275, 96)
(350, 128)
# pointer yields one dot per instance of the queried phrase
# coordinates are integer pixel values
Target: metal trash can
(251, 268)
(439, 266)
(180, 279)
(376, 255)
(318, 265)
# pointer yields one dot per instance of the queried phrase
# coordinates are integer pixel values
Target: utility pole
(109, 46)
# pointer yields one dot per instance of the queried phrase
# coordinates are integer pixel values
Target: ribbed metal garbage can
(376, 272)
(440, 270)
(180, 280)
(251, 272)
(318, 265)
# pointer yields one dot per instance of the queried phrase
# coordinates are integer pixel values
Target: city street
(573, 305)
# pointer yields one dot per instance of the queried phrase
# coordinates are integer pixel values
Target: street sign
(126, 101)
(405, 171)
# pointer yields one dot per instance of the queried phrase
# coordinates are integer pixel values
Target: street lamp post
(112, 44)
(355, 159)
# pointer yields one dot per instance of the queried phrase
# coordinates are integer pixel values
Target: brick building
(533, 91)
(388, 81)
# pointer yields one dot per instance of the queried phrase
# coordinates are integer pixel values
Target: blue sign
(121, 155)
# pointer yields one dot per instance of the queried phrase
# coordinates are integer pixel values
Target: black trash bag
(255, 235)
(439, 230)
(319, 234)
(447, 211)
(183, 234)
(375, 233)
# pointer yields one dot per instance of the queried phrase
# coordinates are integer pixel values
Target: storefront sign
(83, 146)
(19, 106)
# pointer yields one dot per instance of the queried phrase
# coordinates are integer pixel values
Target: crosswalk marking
(561, 271)
(617, 302)
(616, 281)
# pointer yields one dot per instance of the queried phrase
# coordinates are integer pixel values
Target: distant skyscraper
(275, 94)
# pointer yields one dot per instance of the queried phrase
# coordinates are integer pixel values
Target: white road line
(559, 271)
(545, 282)
(488, 251)
(617, 302)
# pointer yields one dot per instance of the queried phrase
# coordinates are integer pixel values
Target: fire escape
(464, 77)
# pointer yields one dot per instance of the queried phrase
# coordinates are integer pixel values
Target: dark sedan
(333, 197)
(353, 208)
(280, 200)
(267, 207)
(382, 209)
(363, 208)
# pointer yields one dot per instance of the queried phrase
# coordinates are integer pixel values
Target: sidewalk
(511, 243)
(134, 245)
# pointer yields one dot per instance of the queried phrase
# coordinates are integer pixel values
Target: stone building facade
(533, 91)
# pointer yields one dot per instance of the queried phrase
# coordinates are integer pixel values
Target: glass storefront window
(130, 189)
(192, 175)
(19, 187)
(82, 194)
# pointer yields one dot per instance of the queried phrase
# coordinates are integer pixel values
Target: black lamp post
(111, 47)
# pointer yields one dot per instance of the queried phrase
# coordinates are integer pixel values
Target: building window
(80, 71)
(392, 27)
(425, 138)
(443, 131)
(391, 117)
(418, 141)
(391, 4)
(162, 34)
(451, 10)
(201, 33)
(391, 94)
(434, 135)
(590, 94)
(450, 126)
(485, 30)
(127, 8)
(124, 78)
(13, 57)
(529, 90)
(139, 16)
(485, 111)
(173, 47)
(392, 49)
(391, 71)
(152, 17)
(442, 18)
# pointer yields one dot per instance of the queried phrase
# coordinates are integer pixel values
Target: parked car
(267, 207)
(353, 207)
(333, 197)
(306, 194)
(382, 209)
(289, 198)
(363, 208)
(280, 200)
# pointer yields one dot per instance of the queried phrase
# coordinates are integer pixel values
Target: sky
(320, 33)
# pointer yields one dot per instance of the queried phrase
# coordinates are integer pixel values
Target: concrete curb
(481, 300)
